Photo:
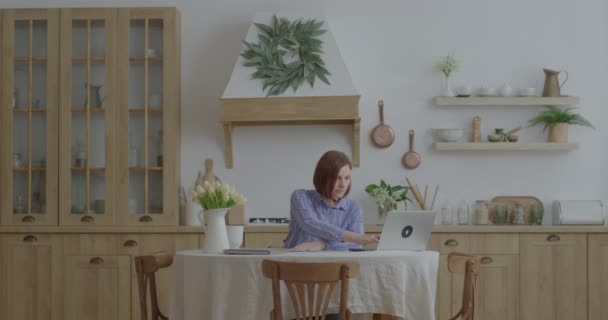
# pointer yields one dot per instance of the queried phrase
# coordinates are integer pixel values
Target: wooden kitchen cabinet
(598, 276)
(96, 287)
(265, 240)
(141, 244)
(28, 288)
(553, 276)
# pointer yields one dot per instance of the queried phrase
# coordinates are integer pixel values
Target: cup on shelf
(100, 206)
(506, 91)
(486, 92)
(463, 91)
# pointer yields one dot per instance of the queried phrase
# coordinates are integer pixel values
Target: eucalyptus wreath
(278, 44)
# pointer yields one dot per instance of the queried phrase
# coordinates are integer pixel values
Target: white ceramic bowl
(449, 135)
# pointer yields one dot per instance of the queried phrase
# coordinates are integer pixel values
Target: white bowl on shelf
(449, 135)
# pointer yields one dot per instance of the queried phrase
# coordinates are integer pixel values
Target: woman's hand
(369, 239)
(310, 246)
(360, 238)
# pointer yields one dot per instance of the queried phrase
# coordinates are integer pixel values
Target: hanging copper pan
(382, 135)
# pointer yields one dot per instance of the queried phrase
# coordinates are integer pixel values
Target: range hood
(245, 103)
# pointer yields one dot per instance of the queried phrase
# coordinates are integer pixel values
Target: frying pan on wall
(411, 159)
(382, 135)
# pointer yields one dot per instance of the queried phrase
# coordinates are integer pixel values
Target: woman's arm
(303, 214)
(354, 236)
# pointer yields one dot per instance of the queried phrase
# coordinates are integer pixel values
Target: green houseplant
(387, 197)
(557, 121)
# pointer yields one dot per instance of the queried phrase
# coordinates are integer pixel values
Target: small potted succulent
(557, 121)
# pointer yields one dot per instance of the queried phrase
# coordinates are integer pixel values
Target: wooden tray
(510, 201)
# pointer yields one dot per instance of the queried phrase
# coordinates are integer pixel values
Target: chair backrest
(470, 266)
(146, 266)
(310, 286)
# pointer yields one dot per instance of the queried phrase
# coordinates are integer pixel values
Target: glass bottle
(500, 214)
(462, 212)
(536, 214)
(480, 210)
(132, 151)
(446, 214)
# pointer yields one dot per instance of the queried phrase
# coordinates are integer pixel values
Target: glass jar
(446, 214)
(17, 162)
(481, 215)
(536, 214)
(518, 214)
(500, 214)
(462, 212)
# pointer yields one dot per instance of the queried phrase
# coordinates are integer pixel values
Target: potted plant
(447, 66)
(557, 121)
(216, 198)
(387, 197)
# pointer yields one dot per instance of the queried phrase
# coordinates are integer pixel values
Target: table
(219, 287)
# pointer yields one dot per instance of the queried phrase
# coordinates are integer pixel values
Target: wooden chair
(470, 266)
(146, 267)
(301, 280)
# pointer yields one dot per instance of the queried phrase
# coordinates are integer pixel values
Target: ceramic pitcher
(552, 85)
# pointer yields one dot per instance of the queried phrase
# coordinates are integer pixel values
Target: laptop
(406, 231)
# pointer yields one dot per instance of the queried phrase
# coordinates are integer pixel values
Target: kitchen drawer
(91, 244)
(493, 243)
(449, 242)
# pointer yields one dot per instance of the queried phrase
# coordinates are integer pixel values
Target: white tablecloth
(223, 287)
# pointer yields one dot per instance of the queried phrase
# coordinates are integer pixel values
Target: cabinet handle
(96, 260)
(553, 237)
(87, 219)
(487, 260)
(451, 243)
(130, 243)
(30, 238)
(28, 219)
(145, 219)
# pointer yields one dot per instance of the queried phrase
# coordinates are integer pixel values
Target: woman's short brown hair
(327, 170)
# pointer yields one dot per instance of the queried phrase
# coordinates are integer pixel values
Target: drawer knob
(30, 238)
(553, 238)
(487, 260)
(451, 243)
(130, 243)
(96, 260)
(145, 219)
(87, 219)
(28, 219)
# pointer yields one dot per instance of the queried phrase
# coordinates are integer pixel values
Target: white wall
(389, 48)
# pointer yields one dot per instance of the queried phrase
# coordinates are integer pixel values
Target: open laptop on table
(405, 231)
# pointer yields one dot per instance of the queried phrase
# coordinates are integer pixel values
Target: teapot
(552, 85)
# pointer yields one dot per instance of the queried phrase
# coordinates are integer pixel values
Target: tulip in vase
(216, 199)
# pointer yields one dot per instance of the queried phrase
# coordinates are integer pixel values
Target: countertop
(283, 229)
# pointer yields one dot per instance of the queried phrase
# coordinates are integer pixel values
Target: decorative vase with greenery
(216, 198)
(387, 197)
(557, 121)
(447, 66)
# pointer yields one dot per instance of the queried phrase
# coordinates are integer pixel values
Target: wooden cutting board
(510, 201)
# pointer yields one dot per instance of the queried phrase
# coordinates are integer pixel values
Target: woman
(324, 219)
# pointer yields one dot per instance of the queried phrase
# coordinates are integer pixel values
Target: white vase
(216, 235)
(447, 89)
(235, 236)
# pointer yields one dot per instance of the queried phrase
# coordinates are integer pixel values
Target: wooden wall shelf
(505, 101)
(289, 111)
(503, 146)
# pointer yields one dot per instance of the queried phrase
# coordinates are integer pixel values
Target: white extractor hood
(244, 103)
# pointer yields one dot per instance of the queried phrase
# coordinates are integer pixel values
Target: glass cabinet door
(148, 113)
(29, 112)
(87, 117)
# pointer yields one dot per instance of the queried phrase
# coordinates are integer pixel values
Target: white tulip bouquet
(217, 195)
